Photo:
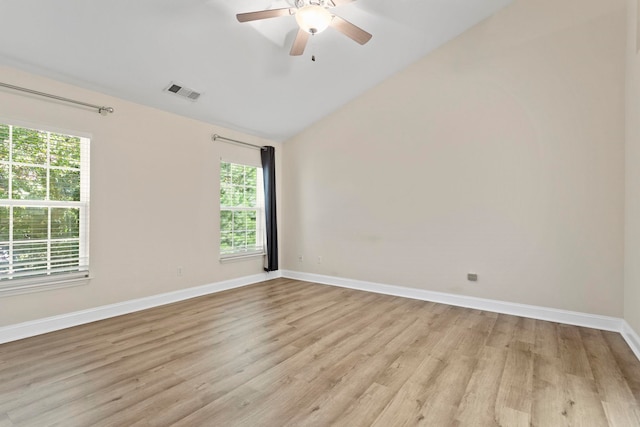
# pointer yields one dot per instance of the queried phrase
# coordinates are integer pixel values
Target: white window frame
(259, 249)
(50, 279)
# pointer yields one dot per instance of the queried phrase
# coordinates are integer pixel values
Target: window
(44, 207)
(241, 210)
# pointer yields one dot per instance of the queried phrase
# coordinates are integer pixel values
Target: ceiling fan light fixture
(313, 18)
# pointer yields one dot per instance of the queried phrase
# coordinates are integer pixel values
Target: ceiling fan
(313, 17)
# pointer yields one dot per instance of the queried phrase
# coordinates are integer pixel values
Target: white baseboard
(535, 312)
(63, 321)
(631, 337)
(587, 320)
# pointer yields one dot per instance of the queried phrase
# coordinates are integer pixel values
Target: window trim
(243, 255)
(259, 208)
(44, 283)
(48, 280)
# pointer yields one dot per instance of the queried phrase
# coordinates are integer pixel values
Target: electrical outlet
(319, 260)
(300, 258)
(472, 277)
(179, 271)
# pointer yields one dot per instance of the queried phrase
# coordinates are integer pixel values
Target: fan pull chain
(312, 46)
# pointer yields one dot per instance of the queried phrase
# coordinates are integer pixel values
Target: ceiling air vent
(182, 91)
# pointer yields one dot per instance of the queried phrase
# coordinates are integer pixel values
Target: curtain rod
(216, 137)
(101, 109)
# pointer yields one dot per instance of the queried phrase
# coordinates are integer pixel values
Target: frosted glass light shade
(313, 18)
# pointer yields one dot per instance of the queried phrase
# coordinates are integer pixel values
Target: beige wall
(154, 198)
(632, 225)
(502, 153)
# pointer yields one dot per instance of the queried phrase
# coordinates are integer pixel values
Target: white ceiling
(133, 49)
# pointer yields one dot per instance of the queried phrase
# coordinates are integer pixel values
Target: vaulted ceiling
(133, 49)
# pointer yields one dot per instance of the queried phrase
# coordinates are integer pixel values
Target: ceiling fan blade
(348, 29)
(341, 2)
(299, 43)
(264, 14)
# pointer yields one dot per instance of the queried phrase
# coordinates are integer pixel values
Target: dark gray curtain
(268, 155)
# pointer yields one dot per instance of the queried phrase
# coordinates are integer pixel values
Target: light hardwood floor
(291, 353)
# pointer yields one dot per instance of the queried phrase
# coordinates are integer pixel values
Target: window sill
(240, 257)
(17, 286)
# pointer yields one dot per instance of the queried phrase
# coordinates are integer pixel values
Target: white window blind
(241, 210)
(44, 206)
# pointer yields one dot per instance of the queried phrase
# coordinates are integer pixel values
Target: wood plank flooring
(291, 353)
